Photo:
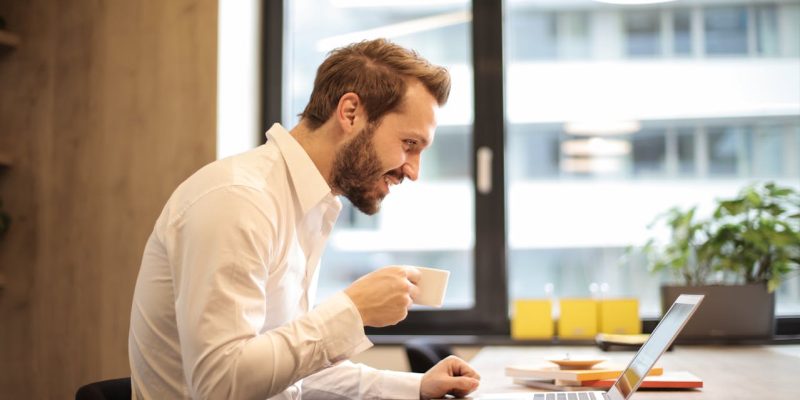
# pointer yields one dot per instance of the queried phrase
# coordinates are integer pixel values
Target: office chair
(423, 354)
(112, 389)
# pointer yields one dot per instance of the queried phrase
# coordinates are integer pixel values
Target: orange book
(553, 372)
(669, 380)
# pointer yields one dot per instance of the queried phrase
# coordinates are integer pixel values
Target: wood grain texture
(8, 39)
(105, 108)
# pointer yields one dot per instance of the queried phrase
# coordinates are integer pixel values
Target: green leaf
(781, 239)
(780, 192)
(733, 207)
(773, 284)
(752, 197)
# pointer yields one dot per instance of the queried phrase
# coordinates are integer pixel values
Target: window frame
(490, 238)
(489, 316)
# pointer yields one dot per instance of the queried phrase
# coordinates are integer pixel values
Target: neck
(320, 145)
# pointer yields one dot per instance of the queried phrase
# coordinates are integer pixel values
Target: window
(682, 31)
(403, 232)
(649, 152)
(726, 30)
(769, 158)
(728, 150)
(598, 118)
(534, 151)
(593, 156)
(766, 30)
(536, 35)
(643, 30)
(686, 152)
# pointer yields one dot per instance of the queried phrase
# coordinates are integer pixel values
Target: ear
(349, 112)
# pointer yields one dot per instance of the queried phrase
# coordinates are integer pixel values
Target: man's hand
(450, 376)
(384, 296)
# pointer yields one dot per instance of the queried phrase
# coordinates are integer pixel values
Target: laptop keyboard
(562, 396)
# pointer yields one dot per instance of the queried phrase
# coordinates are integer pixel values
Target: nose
(411, 168)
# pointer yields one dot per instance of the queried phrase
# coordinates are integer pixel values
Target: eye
(410, 144)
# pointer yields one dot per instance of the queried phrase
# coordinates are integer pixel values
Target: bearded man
(222, 305)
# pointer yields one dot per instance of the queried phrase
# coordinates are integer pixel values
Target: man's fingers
(462, 385)
(459, 367)
(413, 291)
(413, 274)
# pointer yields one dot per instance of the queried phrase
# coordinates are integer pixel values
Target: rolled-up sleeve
(220, 248)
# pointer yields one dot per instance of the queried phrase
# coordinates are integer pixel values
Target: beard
(357, 170)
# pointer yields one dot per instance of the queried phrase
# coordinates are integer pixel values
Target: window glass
(768, 155)
(643, 33)
(727, 151)
(598, 146)
(682, 32)
(402, 232)
(725, 30)
(766, 21)
(686, 152)
(649, 152)
(572, 35)
(533, 151)
(536, 35)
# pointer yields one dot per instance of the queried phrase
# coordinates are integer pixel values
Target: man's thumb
(463, 385)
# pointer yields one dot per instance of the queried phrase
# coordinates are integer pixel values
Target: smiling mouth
(390, 180)
(388, 183)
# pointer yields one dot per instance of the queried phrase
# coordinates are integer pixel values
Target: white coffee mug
(432, 286)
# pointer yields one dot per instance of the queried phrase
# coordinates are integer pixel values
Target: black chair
(112, 389)
(423, 354)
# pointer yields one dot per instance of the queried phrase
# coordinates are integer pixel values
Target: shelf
(5, 160)
(8, 39)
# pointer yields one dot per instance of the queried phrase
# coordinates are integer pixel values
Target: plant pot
(727, 312)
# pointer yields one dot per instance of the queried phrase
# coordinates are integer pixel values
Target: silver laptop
(666, 331)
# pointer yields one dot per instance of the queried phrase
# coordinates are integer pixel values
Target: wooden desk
(728, 372)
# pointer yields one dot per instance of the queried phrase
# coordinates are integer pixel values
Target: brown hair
(378, 72)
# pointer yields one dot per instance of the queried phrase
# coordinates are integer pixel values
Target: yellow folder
(578, 318)
(532, 319)
(620, 316)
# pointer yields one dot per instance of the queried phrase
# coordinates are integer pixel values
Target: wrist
(351, 298)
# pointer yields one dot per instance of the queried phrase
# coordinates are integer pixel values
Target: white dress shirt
(221, 308)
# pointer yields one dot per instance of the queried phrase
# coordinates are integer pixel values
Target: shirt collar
(310, 186)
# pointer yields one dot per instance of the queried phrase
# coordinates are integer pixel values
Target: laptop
(661, 338)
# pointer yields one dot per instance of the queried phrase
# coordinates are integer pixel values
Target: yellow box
(577, 319)
(532, 319)
(620, 316)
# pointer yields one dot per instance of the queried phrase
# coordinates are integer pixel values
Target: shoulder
(254, 185)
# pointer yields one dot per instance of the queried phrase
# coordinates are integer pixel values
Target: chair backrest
(423, 354)
(112, 389)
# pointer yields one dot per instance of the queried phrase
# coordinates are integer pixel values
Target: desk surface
(728, 372)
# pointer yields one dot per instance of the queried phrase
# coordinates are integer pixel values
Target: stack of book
(549, 377)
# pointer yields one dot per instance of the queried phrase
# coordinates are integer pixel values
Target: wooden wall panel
(119, 107)
(25, 124)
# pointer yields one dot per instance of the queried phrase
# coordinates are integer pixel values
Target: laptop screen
(659, 340)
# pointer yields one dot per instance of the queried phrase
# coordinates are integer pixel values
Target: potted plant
(737, 257)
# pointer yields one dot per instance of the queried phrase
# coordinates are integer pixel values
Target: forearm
(348, 380)
(265, 365)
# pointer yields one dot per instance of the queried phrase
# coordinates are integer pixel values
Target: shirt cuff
(342, 328)
(400, 385)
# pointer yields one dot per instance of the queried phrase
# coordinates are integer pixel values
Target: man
(222, 306)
